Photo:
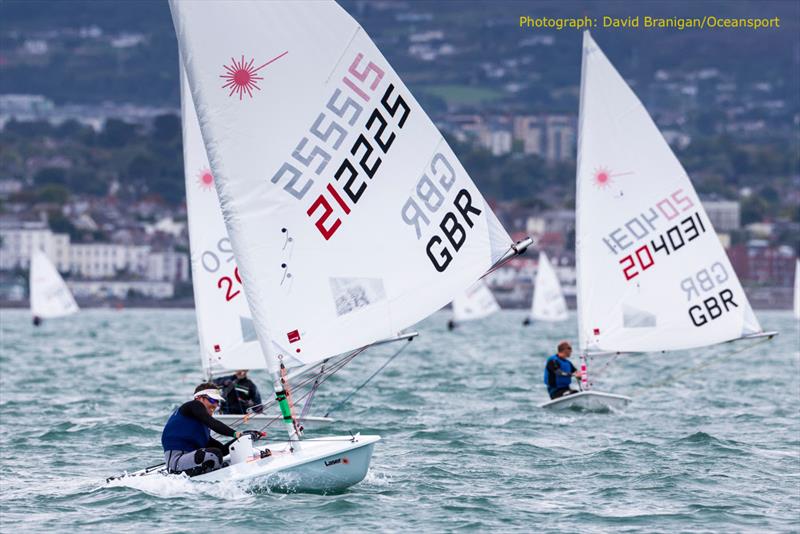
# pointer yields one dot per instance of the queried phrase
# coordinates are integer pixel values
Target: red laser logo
(206, 180)
(241, 77)
(602, 177)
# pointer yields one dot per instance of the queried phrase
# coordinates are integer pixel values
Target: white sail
(228, 338)
(477, 302)
(797, 289)
(548, 303)
(652, 274)
(350, 216)
(50, 296)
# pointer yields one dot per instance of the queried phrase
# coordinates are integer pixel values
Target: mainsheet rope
(708, 362)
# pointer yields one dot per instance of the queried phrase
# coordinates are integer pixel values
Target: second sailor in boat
(188, 445)
(558, 372)
(240, 393)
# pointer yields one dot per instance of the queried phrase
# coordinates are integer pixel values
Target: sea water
(711, 442)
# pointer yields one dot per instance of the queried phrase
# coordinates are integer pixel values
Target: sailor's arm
(554, 368)
(196, 410)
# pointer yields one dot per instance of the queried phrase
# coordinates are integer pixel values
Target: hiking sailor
(558, 372)
(240, 393)
(188, 445)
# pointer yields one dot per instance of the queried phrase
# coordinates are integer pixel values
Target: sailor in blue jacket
(188, 445)
(558, 372)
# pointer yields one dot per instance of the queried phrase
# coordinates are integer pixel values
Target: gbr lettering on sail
(365, 115)
(668, 228)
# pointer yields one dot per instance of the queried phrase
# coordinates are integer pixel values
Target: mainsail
(548, 303)
(350, 216)
(652, 274)
(228, 338)
(477, 302)
(50, 296)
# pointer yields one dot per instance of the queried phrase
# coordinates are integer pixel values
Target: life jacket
(183, 433)
(561, 381)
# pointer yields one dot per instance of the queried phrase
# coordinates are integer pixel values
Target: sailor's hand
(255, 435)
(237, 435)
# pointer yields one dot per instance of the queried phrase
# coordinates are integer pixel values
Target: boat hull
(322, 465)
(592, 401)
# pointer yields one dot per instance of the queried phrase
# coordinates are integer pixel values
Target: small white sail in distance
(50, 296)
(477, 302)
(350, 216)
(797, 289)
(548, 302)
(225, 328)
(652, 274)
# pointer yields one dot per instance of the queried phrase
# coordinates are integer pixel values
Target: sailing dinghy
(548, 302)
(652, 274)
(349, 216)
(477, 302)
(50, 297)
(228, 340)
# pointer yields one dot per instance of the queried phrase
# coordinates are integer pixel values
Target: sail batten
(652, 274)
(351, 219)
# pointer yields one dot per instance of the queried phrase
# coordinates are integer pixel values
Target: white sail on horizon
(477, 302)
(797, 289)
(548, 302)
(49, 295)
(652, 274)
(350, 216)
(225, 328)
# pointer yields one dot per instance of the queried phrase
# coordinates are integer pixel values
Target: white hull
(258, 420)
(594, 401)
(323, 465)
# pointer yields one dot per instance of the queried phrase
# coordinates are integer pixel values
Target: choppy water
(465, 446)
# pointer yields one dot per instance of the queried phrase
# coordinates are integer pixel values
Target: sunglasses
(212, 401)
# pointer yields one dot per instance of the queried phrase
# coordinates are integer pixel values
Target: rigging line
(307, 404)
(373, 375)
(607, 364)
(338, 364)
(707, 363)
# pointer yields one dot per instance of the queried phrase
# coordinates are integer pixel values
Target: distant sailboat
(228, 340)
(477, 302)
(548, 302)
(797, 289)
(50, 297)
(652, 274)
(349, 215)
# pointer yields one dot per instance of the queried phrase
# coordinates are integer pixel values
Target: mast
(582, 341)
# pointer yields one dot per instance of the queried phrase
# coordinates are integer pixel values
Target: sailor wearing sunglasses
(188, 445)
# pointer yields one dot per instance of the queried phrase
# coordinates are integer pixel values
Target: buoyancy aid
(182, 433)
(561, 381)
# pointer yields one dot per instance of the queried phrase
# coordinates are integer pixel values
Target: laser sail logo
(241, 77)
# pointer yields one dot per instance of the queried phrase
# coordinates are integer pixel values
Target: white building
(560, 139)
(723, 214)
(551, 137)
(83, 289)
(21, 238)
(168, 265)
(107, 260)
